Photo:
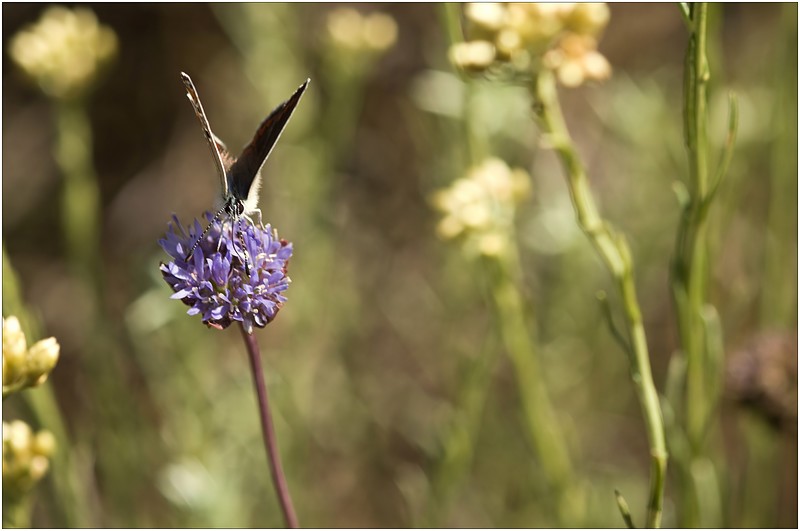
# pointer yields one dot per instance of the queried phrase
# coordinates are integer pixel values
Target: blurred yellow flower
(64, 51)
(22, 366)
(347, 28)
(577, 60)
(481, 206)
(42, 358)
(380, 31)
(473, 56)
(529, 36)
(489, 16)
(25, 457)
(15, 349)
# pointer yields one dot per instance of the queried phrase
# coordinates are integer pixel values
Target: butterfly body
(240, 178)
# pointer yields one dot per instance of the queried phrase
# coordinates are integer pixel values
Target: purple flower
(223, 281)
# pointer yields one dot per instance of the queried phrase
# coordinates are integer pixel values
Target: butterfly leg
(260, 218)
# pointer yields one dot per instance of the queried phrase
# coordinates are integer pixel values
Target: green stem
(459, 439)
(81, 198)
(690, 268)
(541, 419)
(779, 281)
(614, 252)
(689, 279)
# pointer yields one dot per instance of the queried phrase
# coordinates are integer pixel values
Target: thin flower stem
(691, 248)
(614, 251)
(270, 443)
(459, 439)
(80, 208)
(689, 279)
(541, 419)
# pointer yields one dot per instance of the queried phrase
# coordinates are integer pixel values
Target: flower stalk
(689, 278)
(541, 419)
(268, 431)
(80, 209)
(613, 250)
(479, 210)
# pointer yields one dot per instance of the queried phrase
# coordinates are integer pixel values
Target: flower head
(64, 50)
(25, 457)
(526, 37)
(237, 272)
(481, 206)
(22, 366)
(350, 30)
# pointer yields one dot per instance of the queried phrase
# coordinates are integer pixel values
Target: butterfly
(240, 178)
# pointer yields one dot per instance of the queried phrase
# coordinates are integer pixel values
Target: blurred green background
(384, 321)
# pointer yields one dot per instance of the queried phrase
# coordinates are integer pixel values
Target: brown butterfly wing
(213, 141)
(244, 171)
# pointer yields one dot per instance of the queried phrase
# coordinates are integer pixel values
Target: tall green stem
(540, 417)
(459, 439)
(614, 252)
(697, 322)
(81, 198)
(690, 270)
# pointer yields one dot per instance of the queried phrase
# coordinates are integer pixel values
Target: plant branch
(614, 251)
(270, 443)
(602, 298)
(698, 327)
(624, 510)
(541, 419)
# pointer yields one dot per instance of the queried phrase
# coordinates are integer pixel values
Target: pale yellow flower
(42, 359)
(529, 36)
(64, 51)
(488, 15)
(349, 29)
(481, 206)
(22, 366)
(577, 60)
(15, 349)
(380, 31)
(588, 18)
(474, 55)
(25, 457)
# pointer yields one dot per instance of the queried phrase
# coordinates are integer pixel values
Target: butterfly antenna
(203, 235)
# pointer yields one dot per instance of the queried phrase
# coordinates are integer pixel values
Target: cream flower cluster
(349, 29)
(23, 366)
(64, 51)
(25, 456)
(481, 205)
(558, 36)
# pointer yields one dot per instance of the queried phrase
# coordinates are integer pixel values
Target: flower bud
(380, 31)
(473, 56)
(14, 349)
(44, 443)
(25, 457)
(38, 467)
(588, 18)
(493, 244)
(489, 16)
(344, 27)
(42, 358)
(16, 437)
